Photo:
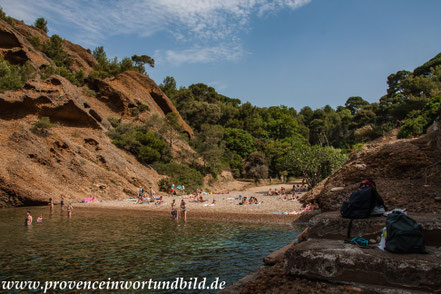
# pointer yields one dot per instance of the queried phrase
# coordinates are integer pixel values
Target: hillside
(76, 158)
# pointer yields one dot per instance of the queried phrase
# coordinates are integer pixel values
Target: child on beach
(69, 210)
(183, 210)
(28, 219)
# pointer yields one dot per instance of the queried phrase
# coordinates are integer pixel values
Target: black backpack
(403, 234)
(361, 203)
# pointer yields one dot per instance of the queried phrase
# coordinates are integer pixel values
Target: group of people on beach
(251, 200)
(51, 204)
(174, 210)
(283, 191)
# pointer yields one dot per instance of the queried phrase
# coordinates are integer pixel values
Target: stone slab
(330, 225)
(336, 261)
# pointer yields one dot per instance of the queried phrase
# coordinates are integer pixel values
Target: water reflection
(101, 244)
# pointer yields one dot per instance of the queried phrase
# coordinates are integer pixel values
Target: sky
(282, 52)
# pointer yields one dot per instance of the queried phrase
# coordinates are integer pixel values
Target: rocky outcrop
(15, 48)
(76, 162)
(130, 90)
(55, 98)
(406, 173)
(75, 158)
(81, 58)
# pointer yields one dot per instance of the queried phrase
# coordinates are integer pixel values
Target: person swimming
(40, 219)
(28, 219)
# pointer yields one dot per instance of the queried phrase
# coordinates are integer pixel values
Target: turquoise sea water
(131, 245)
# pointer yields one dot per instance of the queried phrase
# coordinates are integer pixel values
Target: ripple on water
(127, 245)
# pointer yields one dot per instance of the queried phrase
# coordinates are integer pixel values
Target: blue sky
(290, 52)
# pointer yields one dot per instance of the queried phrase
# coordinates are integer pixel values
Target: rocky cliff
(76, 159)
(407, 174)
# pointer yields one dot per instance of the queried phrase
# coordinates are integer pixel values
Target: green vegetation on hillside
(259, 141)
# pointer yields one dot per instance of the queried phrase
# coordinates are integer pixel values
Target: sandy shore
(226, 207)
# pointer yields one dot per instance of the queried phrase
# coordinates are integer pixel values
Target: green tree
(171, 128)
(355, 103)
(208, 143)
(41, 23)
(140, 62)
(255, 166)
(168, 86)
(239, 142)
(314, 163)
(53, 49)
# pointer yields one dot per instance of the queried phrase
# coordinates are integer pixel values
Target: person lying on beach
(201, 199)
(288, 197)
(159, 201)
(309, 207)
(244, 201)
(253, 200)
(28, 219)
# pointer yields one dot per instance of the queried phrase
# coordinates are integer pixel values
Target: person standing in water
(69, 210)
(62, 201)
(174, 210)
(28, 219)
(51, 203)
(183, 210)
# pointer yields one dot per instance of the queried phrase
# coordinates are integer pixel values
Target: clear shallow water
(130, 245)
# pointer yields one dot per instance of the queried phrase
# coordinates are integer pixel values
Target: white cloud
(200, 54)
(206, 23)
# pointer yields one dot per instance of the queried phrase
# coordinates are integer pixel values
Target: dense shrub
(36, 42)
(42, 126)
(76, 78)
(180, 174)
(146, 145)
(13, 77)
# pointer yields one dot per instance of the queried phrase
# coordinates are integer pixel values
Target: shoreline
(270, 210)
(250, 218)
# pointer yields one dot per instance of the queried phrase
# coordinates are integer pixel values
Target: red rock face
(76, 159)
